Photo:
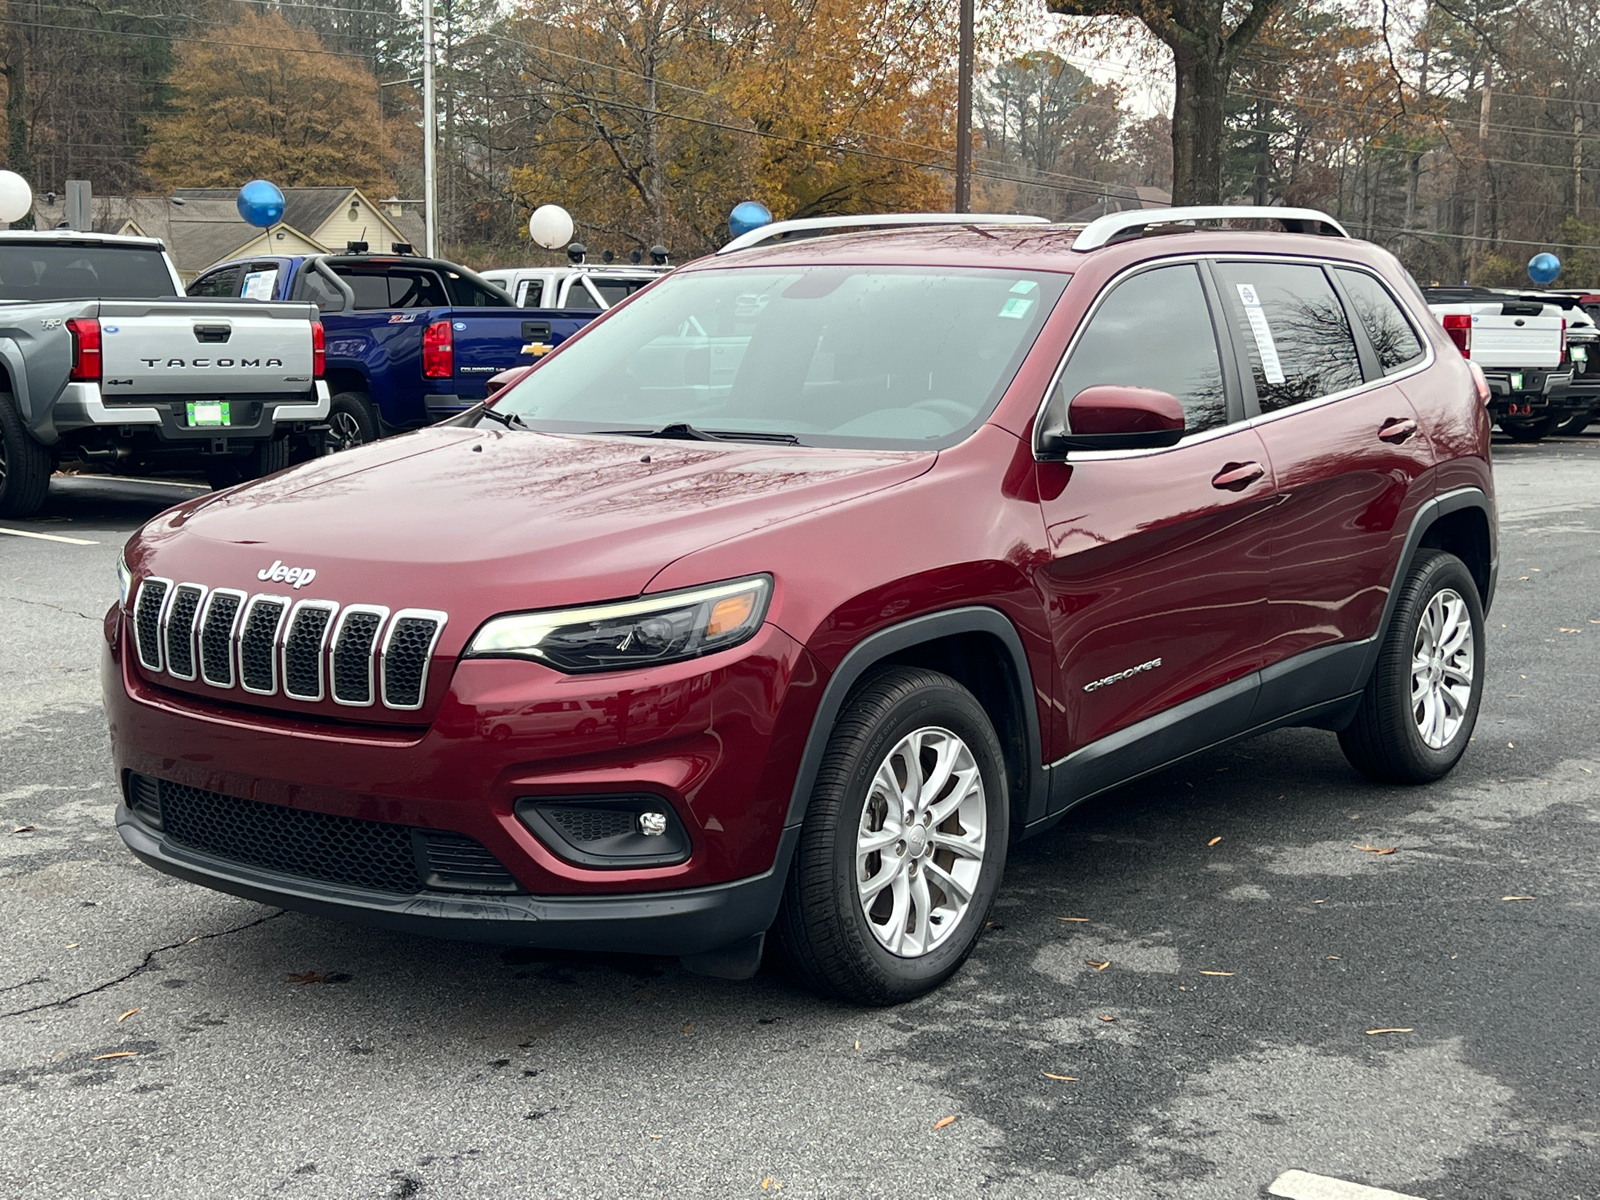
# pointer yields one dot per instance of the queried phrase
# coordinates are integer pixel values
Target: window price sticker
(1265, 346)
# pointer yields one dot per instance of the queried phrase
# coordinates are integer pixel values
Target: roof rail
(817, 226)
(1119, 226)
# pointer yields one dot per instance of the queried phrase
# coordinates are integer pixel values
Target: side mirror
(1116, 417)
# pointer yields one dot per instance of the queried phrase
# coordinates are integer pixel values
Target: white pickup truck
(104, 361)
(1520, 341)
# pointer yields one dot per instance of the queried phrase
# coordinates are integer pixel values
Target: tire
(351, 422)
(1386, 741)
(24, 465)
(1529, 429)
(825, 934)
(264, 458)
(1574, 425)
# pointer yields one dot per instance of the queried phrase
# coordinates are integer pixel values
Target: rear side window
(1294, 330)
(372, 291)
(219, 283)
(579, 298)
(1392, 336)
(416, 289)
(531, 292)
(615, 291)
(464, 293)
(1153, 331)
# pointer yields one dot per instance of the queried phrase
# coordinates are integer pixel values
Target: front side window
(825, 355)
(1392, 336)
(1152, 331)
(530, 292)
(1294, 330)
(219, 283)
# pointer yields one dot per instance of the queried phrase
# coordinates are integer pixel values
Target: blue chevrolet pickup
(410, 340)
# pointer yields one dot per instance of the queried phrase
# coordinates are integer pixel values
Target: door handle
(1235, 477)
(1397, 429)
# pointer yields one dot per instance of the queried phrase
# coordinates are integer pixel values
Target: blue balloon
(748, 216)
(1544, 267)
(260, 203)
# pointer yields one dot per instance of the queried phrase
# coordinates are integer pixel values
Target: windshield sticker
(1016, 307)
(1024, 286)
(259, 285)
(1265, 346)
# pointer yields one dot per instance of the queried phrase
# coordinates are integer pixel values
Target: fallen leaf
(1586, 770)
(1077, 919)
(1228, 973)
(943, 1121)
(771, 1182)
(73, 945)
(1062, 1078)
(1564, 630)
(1108, 1020)
(127, 1014)
(1516, 897)
(1331, 957)
(1408, 1029)
(307, 977)
(1377, 849)
(654, 1137)
(858, 1043)
(1213, 841)
(1098, 966)
(1319, 902)
(1511, 745)
(23, 829)
(1521, 577)
(688, 1027)
(117, 1054)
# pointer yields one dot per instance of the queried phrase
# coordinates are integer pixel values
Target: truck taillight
(1563, 339)
(1481, 382)
(438, 351)
(1459, 327)
(85, 348)
(319, 350)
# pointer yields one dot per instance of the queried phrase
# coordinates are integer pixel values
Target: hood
(474, 522)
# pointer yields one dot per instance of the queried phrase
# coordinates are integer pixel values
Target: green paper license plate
(1580, 354)
(1516, 382)
(208, 412)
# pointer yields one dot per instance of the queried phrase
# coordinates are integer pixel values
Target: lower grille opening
(375, 855)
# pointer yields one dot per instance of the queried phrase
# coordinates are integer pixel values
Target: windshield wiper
(684, 432)
(509, 420)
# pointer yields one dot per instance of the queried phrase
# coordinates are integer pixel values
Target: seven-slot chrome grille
(308, 650)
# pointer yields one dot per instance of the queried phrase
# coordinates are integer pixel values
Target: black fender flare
(1440, 506)
(880, 645)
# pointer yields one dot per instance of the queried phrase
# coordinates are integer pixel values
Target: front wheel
(1421, 704)
(904, 842)
(1529, 429)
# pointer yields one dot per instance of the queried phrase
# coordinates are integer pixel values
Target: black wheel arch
(980, 648)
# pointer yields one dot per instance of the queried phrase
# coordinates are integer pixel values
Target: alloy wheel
(920, 844)
(1441, 668)
(344, 431)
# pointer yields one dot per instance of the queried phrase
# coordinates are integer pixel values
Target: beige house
(202, 227)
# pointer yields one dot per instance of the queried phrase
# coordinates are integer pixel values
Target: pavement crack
(143, 966)
(71, 612)
(17, 987)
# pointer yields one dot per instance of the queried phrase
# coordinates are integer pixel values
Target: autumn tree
(267, 100)
(1206, 38)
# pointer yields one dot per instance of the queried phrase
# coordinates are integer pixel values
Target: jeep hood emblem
(295, 577)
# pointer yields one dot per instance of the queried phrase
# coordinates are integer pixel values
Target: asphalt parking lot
(158, 1039)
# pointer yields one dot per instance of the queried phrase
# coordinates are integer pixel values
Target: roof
(303, 207)
(75, 235)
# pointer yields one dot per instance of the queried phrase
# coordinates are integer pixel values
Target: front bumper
(82, 406)
(687, 921)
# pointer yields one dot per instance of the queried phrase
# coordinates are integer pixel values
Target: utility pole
(1483, 152)
(964, 112)
(1577, 164)
(430, 166)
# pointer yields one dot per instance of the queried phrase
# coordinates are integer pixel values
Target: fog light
(652, 824)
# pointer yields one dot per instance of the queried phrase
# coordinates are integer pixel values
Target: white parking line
(48, 537)
(1302, 1185)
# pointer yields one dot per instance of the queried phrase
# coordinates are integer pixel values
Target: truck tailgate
(1499, 341)
(205, 348)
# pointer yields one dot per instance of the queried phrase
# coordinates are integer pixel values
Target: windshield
(62, 271)
(828, 355)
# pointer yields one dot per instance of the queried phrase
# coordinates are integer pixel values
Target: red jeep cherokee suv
(793, 590)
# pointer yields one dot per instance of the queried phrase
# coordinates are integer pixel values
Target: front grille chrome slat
(354, 655)
(407, 651)
(219, 622)
(178, 629)
(304, 640)
(258, 643)
(148, 610)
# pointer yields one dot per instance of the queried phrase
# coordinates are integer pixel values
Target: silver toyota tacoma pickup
(103, 360)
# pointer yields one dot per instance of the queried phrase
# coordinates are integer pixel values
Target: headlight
(634, 633)
(124, 579)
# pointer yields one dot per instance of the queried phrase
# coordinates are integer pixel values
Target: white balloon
(550, 226)
(16, 197)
